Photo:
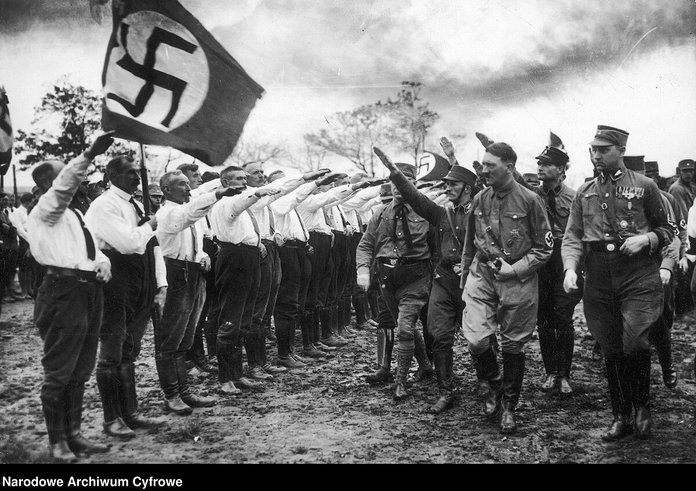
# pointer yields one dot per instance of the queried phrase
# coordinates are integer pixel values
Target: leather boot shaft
(109, 392)
(166, 372)
(54, 414)
(402, 368)
(128, 395)
(74, 394)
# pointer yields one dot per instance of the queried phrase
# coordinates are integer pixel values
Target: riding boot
(444, 368)
(338, 311)
(169, 381)
(513, 375)
(425, 368)
(54, 413)
(663, 346)
(548, 347)
(307, 328)
(360, 306)
(620, 396)
(487, 366)
(74, 394)
(403, 365)
(384, 357)
(109, 393)
(640, 378)
(187, 396)
(129, 399)
(316, 335)
(327, 335)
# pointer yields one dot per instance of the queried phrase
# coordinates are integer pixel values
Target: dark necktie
(89, 241)
(194, 236)
(271, 220)
(401, 213)
(552, 202)
(327, 219)
(141, 215)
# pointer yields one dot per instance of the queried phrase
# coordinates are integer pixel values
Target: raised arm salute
(69, 303)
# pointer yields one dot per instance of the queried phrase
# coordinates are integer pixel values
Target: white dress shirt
(261, 209)
(179, 224)
(19, 219)
(114, 220)
(231, 221)
(312, 209)
(288, 222)
(56, 237)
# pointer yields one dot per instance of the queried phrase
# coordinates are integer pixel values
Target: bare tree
(248, 151)
(312, 157)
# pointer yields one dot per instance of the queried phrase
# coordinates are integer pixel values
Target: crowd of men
(226, 264)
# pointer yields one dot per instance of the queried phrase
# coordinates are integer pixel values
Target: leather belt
(184, 264)
(80, 274)
(484, 259)
(318, 232)
(294, 243)
(400, 261)
(230, 245)
(602, 246)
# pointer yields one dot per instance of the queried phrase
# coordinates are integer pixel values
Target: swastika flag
(167, 81)
(6, 138)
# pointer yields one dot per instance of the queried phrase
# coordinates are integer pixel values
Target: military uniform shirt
(638, 210)
(564, 197)
(684, 195)
(509, 223)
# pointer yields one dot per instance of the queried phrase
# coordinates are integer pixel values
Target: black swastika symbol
(152, 77)
(4, 125)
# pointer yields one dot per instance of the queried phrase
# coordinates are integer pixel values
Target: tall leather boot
(444, 368)
(307, 328)
(169, 382)
(224, 356)
(327, 335)
(373, 303)
(620, 397)
(74, 393)
(565, 346)
(513, 375)
(360, 306)
(338, 313)
(316, 336)
(108, 384)
(403, 365)
(640, 375)
(487, 366)
(129, 399)
(238, 377)
(384, 358)
(54, 413)
(346, 302)
(187, 395)
(210, 330)
(425, 368)
(663, 346)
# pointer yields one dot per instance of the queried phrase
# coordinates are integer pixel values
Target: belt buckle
(393, 262)
(611, 247)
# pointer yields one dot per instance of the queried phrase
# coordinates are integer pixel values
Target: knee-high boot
(129, 399)
(169, 382)
(307, 327)
(54, 413)
(187, 395)
(425, 368)
(444, 368)
(640, 379)
(488, 370)
(327, 334)
(385, 346)
(513, 375)
(404, 354)
(620, 395)
(74, 394)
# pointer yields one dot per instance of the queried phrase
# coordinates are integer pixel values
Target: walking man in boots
(445, 304)
(180, 235)
(508, 240)
(69, 303)
(402, 244)
(556, 307)
(139, 284)
(617, 227)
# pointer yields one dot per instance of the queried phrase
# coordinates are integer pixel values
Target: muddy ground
(326, 413)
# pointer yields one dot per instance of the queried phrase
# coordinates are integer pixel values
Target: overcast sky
(510, 69)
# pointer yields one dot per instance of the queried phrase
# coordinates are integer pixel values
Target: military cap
(460, 174)
(687, 164)
(531, 177)
(635, 163)
(608, 135)
(554, 156)
(408, 170)
(652, 167)
(154, 189)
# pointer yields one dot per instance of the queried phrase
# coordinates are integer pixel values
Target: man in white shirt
(259, 367)
(139, 284)
(180, 235)
(237, 276)
(19, 220)
(69, 303)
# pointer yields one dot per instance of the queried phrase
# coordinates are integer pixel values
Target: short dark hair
(113, 167)
(503, 151)
(167, 177)
(209, 176)
(188, 167)
(272, 175)
(26, 198)
(42, 169)
(228, 170)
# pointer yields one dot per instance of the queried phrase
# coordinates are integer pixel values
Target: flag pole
(144, 181)
(14, 183)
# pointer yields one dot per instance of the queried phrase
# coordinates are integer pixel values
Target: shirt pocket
(591, 206)
(514, 230)
(418, 226)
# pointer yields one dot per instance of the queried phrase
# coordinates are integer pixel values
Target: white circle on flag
(426, 163)
(6, 138)
(175, 61)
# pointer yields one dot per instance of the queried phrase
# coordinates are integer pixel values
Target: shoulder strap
(448, 212)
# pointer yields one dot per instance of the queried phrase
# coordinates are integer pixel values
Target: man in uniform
(403, 245)
(180, 236)
(556, 307)
(445, 304)
(69, 303)
(684, 192)
(508, 240)
(673, 257)
(617, 226)
(139, 284)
